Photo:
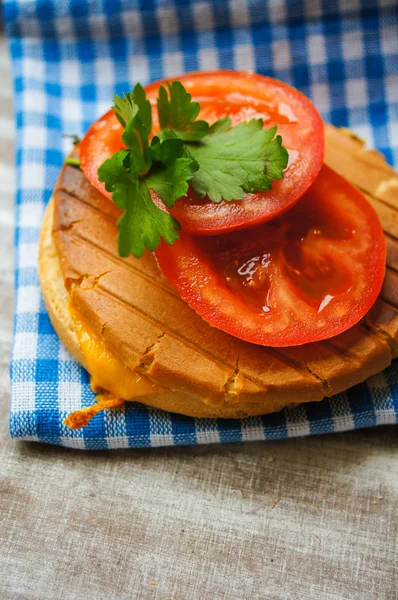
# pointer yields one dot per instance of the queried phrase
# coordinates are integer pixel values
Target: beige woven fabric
(305, 519)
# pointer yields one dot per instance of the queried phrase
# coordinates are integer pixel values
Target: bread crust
(53, 288)
(56, 300)
(207, 372)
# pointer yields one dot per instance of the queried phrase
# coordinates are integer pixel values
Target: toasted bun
(56, 299)
(53, 288)
(142, 320)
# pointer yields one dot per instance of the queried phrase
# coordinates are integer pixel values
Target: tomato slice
(241, 96)
(306, 276)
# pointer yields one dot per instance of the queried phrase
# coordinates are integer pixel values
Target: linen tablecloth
(69, 57)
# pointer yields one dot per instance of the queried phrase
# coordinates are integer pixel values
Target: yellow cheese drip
(107, 371)
(81, 418)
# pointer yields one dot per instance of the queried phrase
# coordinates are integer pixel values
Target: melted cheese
(107, 371)
(81, 418)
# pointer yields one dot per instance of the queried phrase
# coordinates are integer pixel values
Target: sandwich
(205, 253)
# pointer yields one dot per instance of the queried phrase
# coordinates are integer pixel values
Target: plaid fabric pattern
(69, 57)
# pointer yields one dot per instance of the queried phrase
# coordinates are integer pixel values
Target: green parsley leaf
(175, 167)
(166, 147)
(177, 111)
(142, 223)
(125, 108)
(220, 126)
(233, 161)
(114, 170)
(276, 157)
(144, 106)
(135, 137)
(129, 174)
(170, 182)
(72, 161)
(220, 161)
(132, 104)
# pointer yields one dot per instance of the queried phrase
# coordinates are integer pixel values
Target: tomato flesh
(241, 96)
(307, 276)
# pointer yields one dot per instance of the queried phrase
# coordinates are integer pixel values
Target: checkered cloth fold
(69, 57)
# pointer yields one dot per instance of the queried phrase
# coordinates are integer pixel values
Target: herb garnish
(219, 161)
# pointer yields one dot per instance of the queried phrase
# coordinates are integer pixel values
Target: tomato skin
(102, 140)
(318, 278)
(242, 96)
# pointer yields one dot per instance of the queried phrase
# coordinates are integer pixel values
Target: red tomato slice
(306, 276)
(241, 96)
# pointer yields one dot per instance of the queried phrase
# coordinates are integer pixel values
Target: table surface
(311, 518)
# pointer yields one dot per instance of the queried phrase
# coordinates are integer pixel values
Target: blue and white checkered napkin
(69, 57)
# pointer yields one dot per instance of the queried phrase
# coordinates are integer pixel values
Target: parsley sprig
(218, 161)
